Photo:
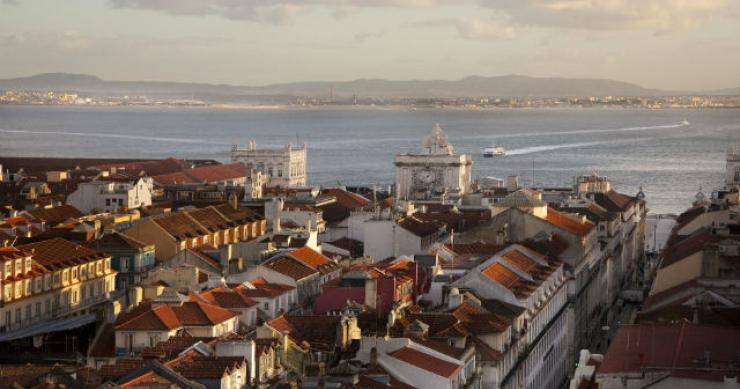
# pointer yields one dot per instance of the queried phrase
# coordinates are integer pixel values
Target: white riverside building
(434, 173)
(285, 167)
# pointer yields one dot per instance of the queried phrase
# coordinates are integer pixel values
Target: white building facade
(436, 172)
(284, 167)
(111, 196)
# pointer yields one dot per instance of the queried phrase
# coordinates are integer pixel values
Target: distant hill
(473, 86)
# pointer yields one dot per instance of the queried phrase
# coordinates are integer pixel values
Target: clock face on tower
(426, 176)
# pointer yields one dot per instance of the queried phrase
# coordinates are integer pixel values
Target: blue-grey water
(648, 148)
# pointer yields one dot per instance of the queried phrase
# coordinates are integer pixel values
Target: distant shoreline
(388, 107)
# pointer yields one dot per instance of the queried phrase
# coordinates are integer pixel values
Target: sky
(665, 44)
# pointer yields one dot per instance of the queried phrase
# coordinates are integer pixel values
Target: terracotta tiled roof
(204, 174)
(160, 318)
(117, 241)
(264, 289)
(442, 347)
(202, 367)
(614, 201)
(227, 298)
(181, 226)
(151, 168)
(318, 332)
(196, 313)
(173, 346)
(677, 348)
(592, 211)
(689, 215)
(568, 223)
(215, 173)
(56, 215)
(239, 214)
(211, 219)
(291, 267)
(315, 260)
(521, 287)
(479, 248)
(427, 362)
(689, 245)
(122, 367)
(174, 179)
(421, 228)
(346, 199)
(58, 252)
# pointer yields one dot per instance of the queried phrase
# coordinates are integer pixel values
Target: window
(266, 306)
(153, 339)
(28, 312)
(107, 202)
(8, 316)
(128, 341)
(47, 306)
(28, 264)
(123, 264)
(17, 316)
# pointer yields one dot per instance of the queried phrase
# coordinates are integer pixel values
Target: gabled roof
(118, 241)
(569, 223)
(56, 215)
(520, 199)
(291, 267)
(204, 174)
(318, 332)
(210, 218)
(196, 313)
(614, 201)
(227, 298)
(420, 227)
(160, 318)
(689, 245)
(241, 215)
(427, 362)
(314, 260)
(476, 248)
(169, 317)
(264, 289)
(58, 252)
(678, 348)
(181, 226)
(346, 199)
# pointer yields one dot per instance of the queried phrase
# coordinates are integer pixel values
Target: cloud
(363, 36)
(472, 28)
(661, 16)
(275, 11)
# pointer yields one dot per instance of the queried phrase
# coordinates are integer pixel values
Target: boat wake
(595, 131)
(537, 149)
(115, 136)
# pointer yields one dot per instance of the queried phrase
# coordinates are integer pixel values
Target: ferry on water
(494, 151)
(685, 122)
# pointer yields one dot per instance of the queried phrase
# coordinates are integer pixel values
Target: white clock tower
(434, 173)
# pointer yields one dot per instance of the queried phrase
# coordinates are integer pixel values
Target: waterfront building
(284, 167)
(112, 195)
(434, 173)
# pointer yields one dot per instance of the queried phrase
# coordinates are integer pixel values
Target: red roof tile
(56, 215)
(291, 267)
(568, 223)
(314, 259)
(677, 348)
(427, 362)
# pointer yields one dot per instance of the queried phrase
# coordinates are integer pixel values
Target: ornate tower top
(436, 142)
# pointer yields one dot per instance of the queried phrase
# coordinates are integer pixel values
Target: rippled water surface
(356, 146)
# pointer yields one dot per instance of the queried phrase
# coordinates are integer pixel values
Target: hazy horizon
(657, 44)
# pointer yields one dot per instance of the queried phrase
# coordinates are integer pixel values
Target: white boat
(685, 122)
(494, 151)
